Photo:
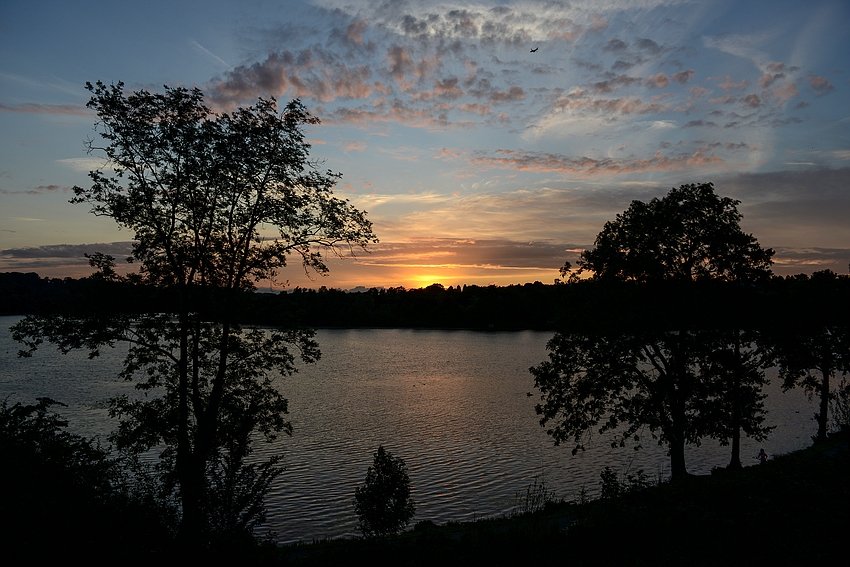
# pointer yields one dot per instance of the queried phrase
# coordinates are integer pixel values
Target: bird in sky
(535, 50)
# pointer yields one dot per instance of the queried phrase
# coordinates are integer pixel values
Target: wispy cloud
(85, 164)
(58, 109)
(117, 249)
(587, 167)
(210, 54)
(38, 190)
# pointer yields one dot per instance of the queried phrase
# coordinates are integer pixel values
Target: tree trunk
(735, 463)
(189, 487)
(675, 389)
(677, 458)
(824, 405)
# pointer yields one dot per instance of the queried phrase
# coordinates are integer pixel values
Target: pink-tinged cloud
(400, 62)
(513, 94)
(785, 92)
(484, 90)
(542, 162)
(820, 85)
(776, 67)
(698, 91)
(449, 153)
(354, 31)
(597, 24)
(566, 30)
(723, 99)
(610, 85)
(469, 252)
(563, 35)
(683, 77)
(577, 101)
(474, 108)
(728, 85)
(307, 74)
(752, 101)
(355, 146)
(434, 117)
(446, 89)
(426, 66)
(59, 109)
(767, 79)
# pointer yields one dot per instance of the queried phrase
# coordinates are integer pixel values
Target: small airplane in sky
(535, 50)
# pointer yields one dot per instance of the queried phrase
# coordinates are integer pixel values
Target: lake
(452, 404)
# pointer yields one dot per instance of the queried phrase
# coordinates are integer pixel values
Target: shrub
(383, 502)
(64, 495)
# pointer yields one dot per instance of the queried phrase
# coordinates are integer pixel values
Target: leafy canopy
(689, 234)
(200, 191)
(215, 202)
(639, 369)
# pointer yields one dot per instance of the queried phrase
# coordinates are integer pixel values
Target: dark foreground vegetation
(64, 498)
(794, 510)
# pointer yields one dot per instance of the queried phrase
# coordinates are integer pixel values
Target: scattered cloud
(658, 81)
(58, 109)
(85, 164)
(729, 85)
(356, 146)
(610, 85)
(588, 167)
(38, 190)
(683, 77)
(820, 85)
(313, 73)
(65, 255)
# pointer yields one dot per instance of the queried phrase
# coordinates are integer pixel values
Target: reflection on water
(453, 404)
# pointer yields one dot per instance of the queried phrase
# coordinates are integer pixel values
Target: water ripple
(453, 404)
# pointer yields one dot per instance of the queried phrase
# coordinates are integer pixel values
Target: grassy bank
(794, 510)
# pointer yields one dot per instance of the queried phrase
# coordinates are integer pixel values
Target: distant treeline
(821, 298)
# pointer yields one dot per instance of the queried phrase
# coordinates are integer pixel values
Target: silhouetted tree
(811, 357)
(690, 234)
(730, 382)
(383, 503)
(199, 191)
(644, 373)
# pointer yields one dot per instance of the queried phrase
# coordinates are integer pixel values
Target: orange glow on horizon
(349, 275)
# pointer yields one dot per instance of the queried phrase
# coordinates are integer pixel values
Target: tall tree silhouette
(215, 202)
(730, 381)
(814, 347)
(644, 373)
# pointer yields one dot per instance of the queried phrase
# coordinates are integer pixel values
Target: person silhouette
(762, 456)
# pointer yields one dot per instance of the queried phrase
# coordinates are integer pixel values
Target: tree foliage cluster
(214, 202)
(66, 496)
(678, 353)
(382, 503)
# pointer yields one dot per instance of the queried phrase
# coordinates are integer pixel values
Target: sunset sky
(477, 160)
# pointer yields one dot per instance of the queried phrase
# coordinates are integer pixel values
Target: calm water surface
(453, 404)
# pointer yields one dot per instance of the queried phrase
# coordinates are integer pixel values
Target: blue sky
(477, 160)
